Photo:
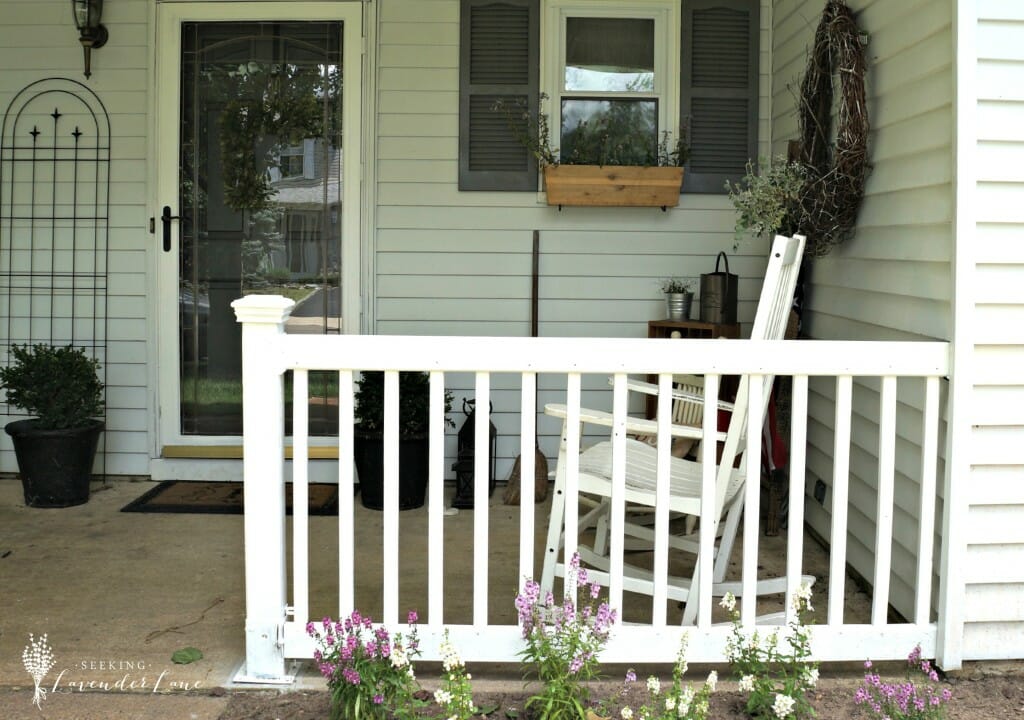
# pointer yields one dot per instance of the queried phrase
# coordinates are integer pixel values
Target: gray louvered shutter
(499, 59)
(719, 90)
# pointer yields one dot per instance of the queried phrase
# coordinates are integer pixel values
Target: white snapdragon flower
(783, 706)
(712, 681)
(442, 697)
(728, 602)
(653, 685)
(399, 659)
(670, 703)
(626, 713)
(684, 702)
(812, 677)
(450, 658)
(746, 683)
(802, 598)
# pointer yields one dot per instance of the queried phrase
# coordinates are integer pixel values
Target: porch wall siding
(38, 39)
(892, 280)
(458, 263)
(994, 614)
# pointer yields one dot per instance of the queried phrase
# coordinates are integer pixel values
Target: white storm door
(258, 191)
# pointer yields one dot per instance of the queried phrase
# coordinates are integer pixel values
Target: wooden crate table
(685, 329)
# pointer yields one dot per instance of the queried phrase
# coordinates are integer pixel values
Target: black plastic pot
(55, 465)
(412, 470)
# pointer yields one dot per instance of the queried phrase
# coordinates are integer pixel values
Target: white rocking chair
(595, 463)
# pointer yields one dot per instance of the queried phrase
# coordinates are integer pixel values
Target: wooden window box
(613, 185)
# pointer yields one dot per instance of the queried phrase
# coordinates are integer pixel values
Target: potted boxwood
(55, 450)
(413, 441)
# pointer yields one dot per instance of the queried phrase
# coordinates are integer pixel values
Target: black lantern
(91, 33)
(464, 467)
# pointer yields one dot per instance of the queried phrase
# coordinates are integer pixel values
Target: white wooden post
(262, 319)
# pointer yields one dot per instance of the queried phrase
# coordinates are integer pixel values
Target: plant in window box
(604, 162)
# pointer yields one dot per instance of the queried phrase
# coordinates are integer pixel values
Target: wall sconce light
(91, 33)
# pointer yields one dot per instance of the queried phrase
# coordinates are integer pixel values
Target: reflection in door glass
(261, 159)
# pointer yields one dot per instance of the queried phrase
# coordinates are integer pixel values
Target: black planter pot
(412, 470)
(55, 465)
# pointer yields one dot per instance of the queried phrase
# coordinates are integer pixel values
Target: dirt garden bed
(975, 697)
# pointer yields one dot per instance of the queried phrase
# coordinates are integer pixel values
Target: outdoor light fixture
(91, 33)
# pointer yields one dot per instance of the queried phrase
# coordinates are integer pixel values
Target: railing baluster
(840, 499)
(884, 512)
(618, 499)
(435, 503)
(300, 495)
(391, 469)
(752, 497)
(527, 474)
(481, 509)
(797, 490)
(661, 503)
(926, 516)
(572, 474)
(709, 510)
(346, 500)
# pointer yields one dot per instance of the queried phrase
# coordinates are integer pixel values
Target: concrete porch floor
(117, 593)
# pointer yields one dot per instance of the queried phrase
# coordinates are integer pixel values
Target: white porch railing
(276, 615)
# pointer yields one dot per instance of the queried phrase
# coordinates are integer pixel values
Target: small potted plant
(678, 297)
(413, 440)
(55, 450)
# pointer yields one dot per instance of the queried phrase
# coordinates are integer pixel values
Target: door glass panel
(260, 179)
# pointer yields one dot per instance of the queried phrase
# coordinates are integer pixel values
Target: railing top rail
(612, 355)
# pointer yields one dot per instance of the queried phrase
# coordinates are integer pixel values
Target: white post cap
(264, 309)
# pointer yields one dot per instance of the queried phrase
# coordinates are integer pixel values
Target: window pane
(609, 54)
(609, 132)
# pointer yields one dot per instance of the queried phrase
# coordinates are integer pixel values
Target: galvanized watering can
(718, 294)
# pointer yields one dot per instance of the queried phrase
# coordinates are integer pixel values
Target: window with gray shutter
(719, 90)
(498, 60)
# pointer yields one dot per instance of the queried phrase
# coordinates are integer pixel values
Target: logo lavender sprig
(38, 660)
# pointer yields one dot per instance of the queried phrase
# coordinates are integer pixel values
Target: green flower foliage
(60, 385)
(774, 668)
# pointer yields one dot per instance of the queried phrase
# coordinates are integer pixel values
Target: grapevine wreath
(836, 173)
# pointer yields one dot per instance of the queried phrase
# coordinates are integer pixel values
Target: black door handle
(166, 218)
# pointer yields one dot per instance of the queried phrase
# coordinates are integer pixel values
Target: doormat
(187, 496)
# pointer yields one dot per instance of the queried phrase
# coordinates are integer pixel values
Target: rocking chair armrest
(633, 425)
(677, 394)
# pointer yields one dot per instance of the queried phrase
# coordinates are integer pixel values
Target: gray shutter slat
(491, 145)
(719, 87)
(499, 60)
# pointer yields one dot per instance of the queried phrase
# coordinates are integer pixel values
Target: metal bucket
(678, 305)
(718, 296)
